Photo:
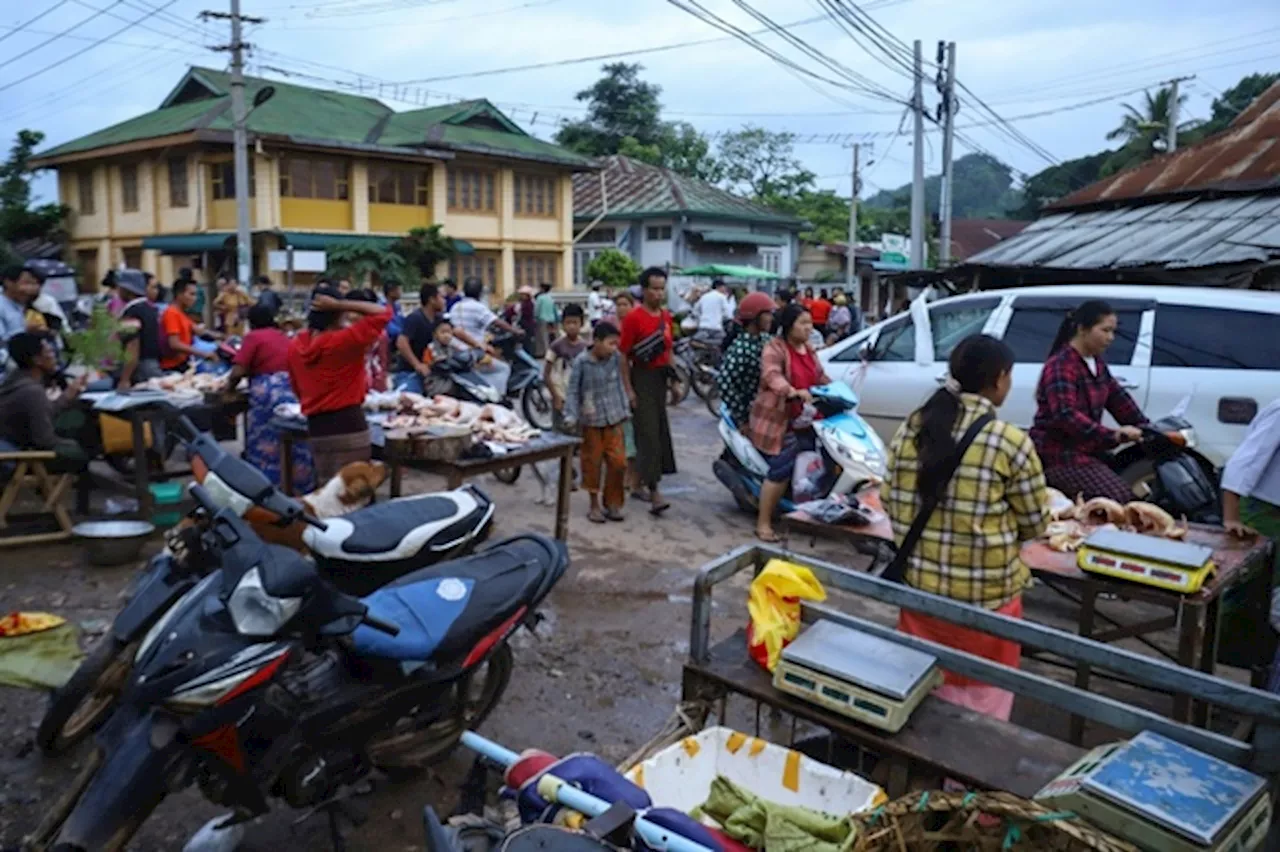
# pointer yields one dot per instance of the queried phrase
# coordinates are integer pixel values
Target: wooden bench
(948, 739)
(30, 472)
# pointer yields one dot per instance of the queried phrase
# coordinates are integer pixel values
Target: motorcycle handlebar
(388, 627)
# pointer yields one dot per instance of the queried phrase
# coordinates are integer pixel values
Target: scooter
(363, 551)
(264, 681)
(852, 453)
(1165, 468)
(526, 386)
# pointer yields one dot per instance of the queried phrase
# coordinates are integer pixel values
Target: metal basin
(113, 542)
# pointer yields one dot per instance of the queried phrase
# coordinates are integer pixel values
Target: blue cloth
(408, 381)
(782, 464)
(394, 324)
(12, 317)
(262, 440)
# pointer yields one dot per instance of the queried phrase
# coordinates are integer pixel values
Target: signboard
(895, 250)
(303, 261)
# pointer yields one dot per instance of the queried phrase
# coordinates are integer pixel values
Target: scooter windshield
(836, 393)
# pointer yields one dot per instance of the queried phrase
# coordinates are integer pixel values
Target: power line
(21, 27)
(80, 52)
(55, 37)
(396, 25)
(186, 51)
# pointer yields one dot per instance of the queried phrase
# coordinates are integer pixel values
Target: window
(535, 195)
(471, 189)
(87, 270)
(601, 235)
(581, 260)
(535, 269)
(400, 185)
(224, 180)
(1031, 332)
(132, 257)
(313, 177)
(771, 259)
(1215, 338)
(954, 322)
(84, 189)
(178, 182)
(482, 265)
(897, 341)
(657, 232)
(129, 188)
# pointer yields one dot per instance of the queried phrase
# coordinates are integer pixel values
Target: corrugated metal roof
(1174, 235)
(201, 101)
(1245, 156)
(638, 189)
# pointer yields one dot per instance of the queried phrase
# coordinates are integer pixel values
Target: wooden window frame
(85, 201)
(217, 184)
(482, 266)
(341, 178)
(472, 190)
(179, 190)
(129, 187)
(535, 195)
(532, 269)
(421, 184)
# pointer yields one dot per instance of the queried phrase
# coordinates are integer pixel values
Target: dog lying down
(352, 488)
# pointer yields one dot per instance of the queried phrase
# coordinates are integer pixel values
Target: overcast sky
(1020, 56)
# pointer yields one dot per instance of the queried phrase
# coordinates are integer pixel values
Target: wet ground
(603, 673)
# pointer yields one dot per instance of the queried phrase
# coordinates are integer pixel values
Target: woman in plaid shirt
(1075, 389)
(969, 548)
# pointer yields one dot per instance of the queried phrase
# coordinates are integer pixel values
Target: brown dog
(351, 488)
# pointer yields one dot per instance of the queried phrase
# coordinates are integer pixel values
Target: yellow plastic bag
(774, 606)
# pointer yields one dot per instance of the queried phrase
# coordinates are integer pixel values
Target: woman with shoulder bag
(646, 343)
(964, 490)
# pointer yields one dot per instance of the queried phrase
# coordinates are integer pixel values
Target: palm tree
(1143, 130)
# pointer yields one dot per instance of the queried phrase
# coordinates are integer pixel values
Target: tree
(982, 187)
(826, 213)
(620, 105)
(18, 221)
(1236, 100)
(363, 261)
(614, 269)
(423, 250)
(681, 148)
(1047, 186)
(762, 164)
(1143, 130)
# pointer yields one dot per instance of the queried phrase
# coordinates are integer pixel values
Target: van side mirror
(867, 352)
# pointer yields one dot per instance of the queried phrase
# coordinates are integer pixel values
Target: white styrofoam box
(680, 775)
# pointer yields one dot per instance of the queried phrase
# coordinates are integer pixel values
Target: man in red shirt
(820, 310)
(328, 374)
(177, 329)
(646, 344)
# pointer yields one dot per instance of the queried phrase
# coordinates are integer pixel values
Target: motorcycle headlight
(856, 455)
(256, 613)
(224, 495)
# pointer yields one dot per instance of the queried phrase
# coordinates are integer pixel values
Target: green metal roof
(201, 101)
(725, 270)
(311, 241)
(187, 243)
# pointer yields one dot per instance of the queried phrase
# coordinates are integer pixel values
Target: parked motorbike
(700, 361)
(264, 681)
(526, 387)
(361, 552)
(1165, 468)
(852, 453)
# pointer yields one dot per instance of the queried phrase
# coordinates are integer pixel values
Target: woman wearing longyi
(963, 491)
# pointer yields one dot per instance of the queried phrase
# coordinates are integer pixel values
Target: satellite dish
(263, 95)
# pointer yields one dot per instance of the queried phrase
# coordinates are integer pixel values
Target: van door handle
(1128, 385)
(941, 378)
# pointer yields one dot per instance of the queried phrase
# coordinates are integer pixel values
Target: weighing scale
(856, 674)
(1165, 563)
(1164, 796)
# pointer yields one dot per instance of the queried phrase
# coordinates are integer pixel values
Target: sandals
(613, 515)
(770, 538)
(643, 496)
(595, 516)
(659, 508)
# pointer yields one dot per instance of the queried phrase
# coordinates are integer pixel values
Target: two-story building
(665, 219)
(157, 192)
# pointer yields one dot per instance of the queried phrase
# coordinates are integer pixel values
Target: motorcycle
(265, 682)
(1165, 468)
(700, 361)
(526, 387)
(852, 453)
(351, 556)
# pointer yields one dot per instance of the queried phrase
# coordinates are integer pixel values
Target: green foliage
(18, 220)
(982, 187)
(97, 345)
(826, 213)
(613, 268)
(362, 261)
(761, 164)
(1235, 101)
(1047, 186)
(423, 250)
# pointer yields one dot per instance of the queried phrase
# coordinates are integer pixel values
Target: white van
(1220, 346)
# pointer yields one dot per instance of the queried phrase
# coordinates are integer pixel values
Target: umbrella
(724, 270)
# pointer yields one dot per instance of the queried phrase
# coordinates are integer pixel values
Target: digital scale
(1175, 565)
(856, 674)
(1165, 797)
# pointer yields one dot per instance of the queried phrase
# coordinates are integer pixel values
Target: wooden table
(874, 540)
(1195, 617)
(549, 445)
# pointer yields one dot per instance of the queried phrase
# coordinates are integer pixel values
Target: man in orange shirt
(177, 331)
(820, 310)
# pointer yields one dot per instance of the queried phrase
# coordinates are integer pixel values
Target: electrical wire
(55, 37)
(186, 51)
(24, 26)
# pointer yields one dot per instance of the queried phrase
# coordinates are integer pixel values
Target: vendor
(789, 367)
(327, 371)
(969, 548)
(263, 358)
(27, 417)
(178, 329)
(1075, 389)
(739, 375)
(140, 330)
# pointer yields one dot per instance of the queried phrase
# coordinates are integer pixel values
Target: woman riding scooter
(1075, 389)
(739, 376)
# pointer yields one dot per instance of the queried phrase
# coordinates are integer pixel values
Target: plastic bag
(806, 477)
(774, 607)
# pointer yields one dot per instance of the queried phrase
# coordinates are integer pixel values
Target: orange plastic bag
(774, 607)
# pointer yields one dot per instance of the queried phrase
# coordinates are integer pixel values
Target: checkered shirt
(995, 501)
(595, 396)
(1070, 401)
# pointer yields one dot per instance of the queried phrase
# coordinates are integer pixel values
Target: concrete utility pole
(240, 138)
(917, 165)
(853, 227)
(948, 133)
(1171, 132)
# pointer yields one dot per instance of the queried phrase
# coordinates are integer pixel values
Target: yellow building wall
(398, 218)
(358, 186)
(265, 205)
(315, 214)
(81, 226)
(176, 220)
(470, 226)
(138, 222)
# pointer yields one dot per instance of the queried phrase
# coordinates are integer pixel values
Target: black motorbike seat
(444, 611)
(397, 529)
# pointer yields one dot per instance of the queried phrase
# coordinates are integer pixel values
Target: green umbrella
(724, 270)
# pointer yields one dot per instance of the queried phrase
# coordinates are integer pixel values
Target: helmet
(753, 305)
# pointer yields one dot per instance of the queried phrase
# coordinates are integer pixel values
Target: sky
(1057, 71)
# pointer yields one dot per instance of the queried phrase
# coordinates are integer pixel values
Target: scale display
(1161, 562)
(856, 674)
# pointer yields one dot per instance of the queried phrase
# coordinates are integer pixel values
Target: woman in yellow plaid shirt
(994, 502)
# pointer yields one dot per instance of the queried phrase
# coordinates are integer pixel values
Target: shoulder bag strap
(898, 567)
